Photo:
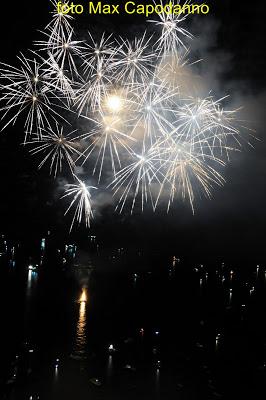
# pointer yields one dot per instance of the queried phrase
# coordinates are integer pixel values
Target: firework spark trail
(155, 106)
(81, 202)
(89, 96)
(175, 70)
(56, 78)
(187, 170)
(135, 63)
(64, 49)
(60, 22)
(56, 148)
(25, 91)
(205, 125)
(96, 53)
(172, 32)
(107, 137)
(137, 179)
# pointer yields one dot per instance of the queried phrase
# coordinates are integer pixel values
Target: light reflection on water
(135, 343)
(56, 374)
(32, 279)
(81, 338)
(157, 383)
(109, 368)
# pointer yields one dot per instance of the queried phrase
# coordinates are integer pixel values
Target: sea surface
(90, 324)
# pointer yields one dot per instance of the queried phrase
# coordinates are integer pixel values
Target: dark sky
(232, 41)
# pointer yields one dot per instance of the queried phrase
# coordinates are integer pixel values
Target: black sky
(232, 41)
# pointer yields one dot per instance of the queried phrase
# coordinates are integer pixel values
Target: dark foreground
(150, 328)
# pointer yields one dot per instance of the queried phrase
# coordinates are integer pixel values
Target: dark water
(179, 330)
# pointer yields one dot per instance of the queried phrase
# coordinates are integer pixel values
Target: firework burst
(136, 104)
(60, 22)
(63, 48)
(80, 194)
(106, 141)
(135, 61)
(96, 53)
(58, 80)
(155, 104)
(91, 93)
(207, 127)
(187, 171)
(25, 91)
(172, 32)
(57, 149)
(139, 179)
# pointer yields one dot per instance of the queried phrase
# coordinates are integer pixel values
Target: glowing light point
(111, 349)
(114, 103)
(83, 297)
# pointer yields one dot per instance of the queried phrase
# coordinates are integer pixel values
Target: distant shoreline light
(130, 7)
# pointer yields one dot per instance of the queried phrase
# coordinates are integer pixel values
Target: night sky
(232, 42)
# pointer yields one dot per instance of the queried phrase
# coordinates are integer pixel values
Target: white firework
(57, 79)
(80, 194)
(97, 52)
(108, 144)
(56, 149)
(61, 22)
(175, 70)
(66, 51)
(135, 61)
(91, 93)
(187, 171)
(140, 179)
(145, 124)
(25, 91)
(172, 32)
(153, 117)
(206, 126)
